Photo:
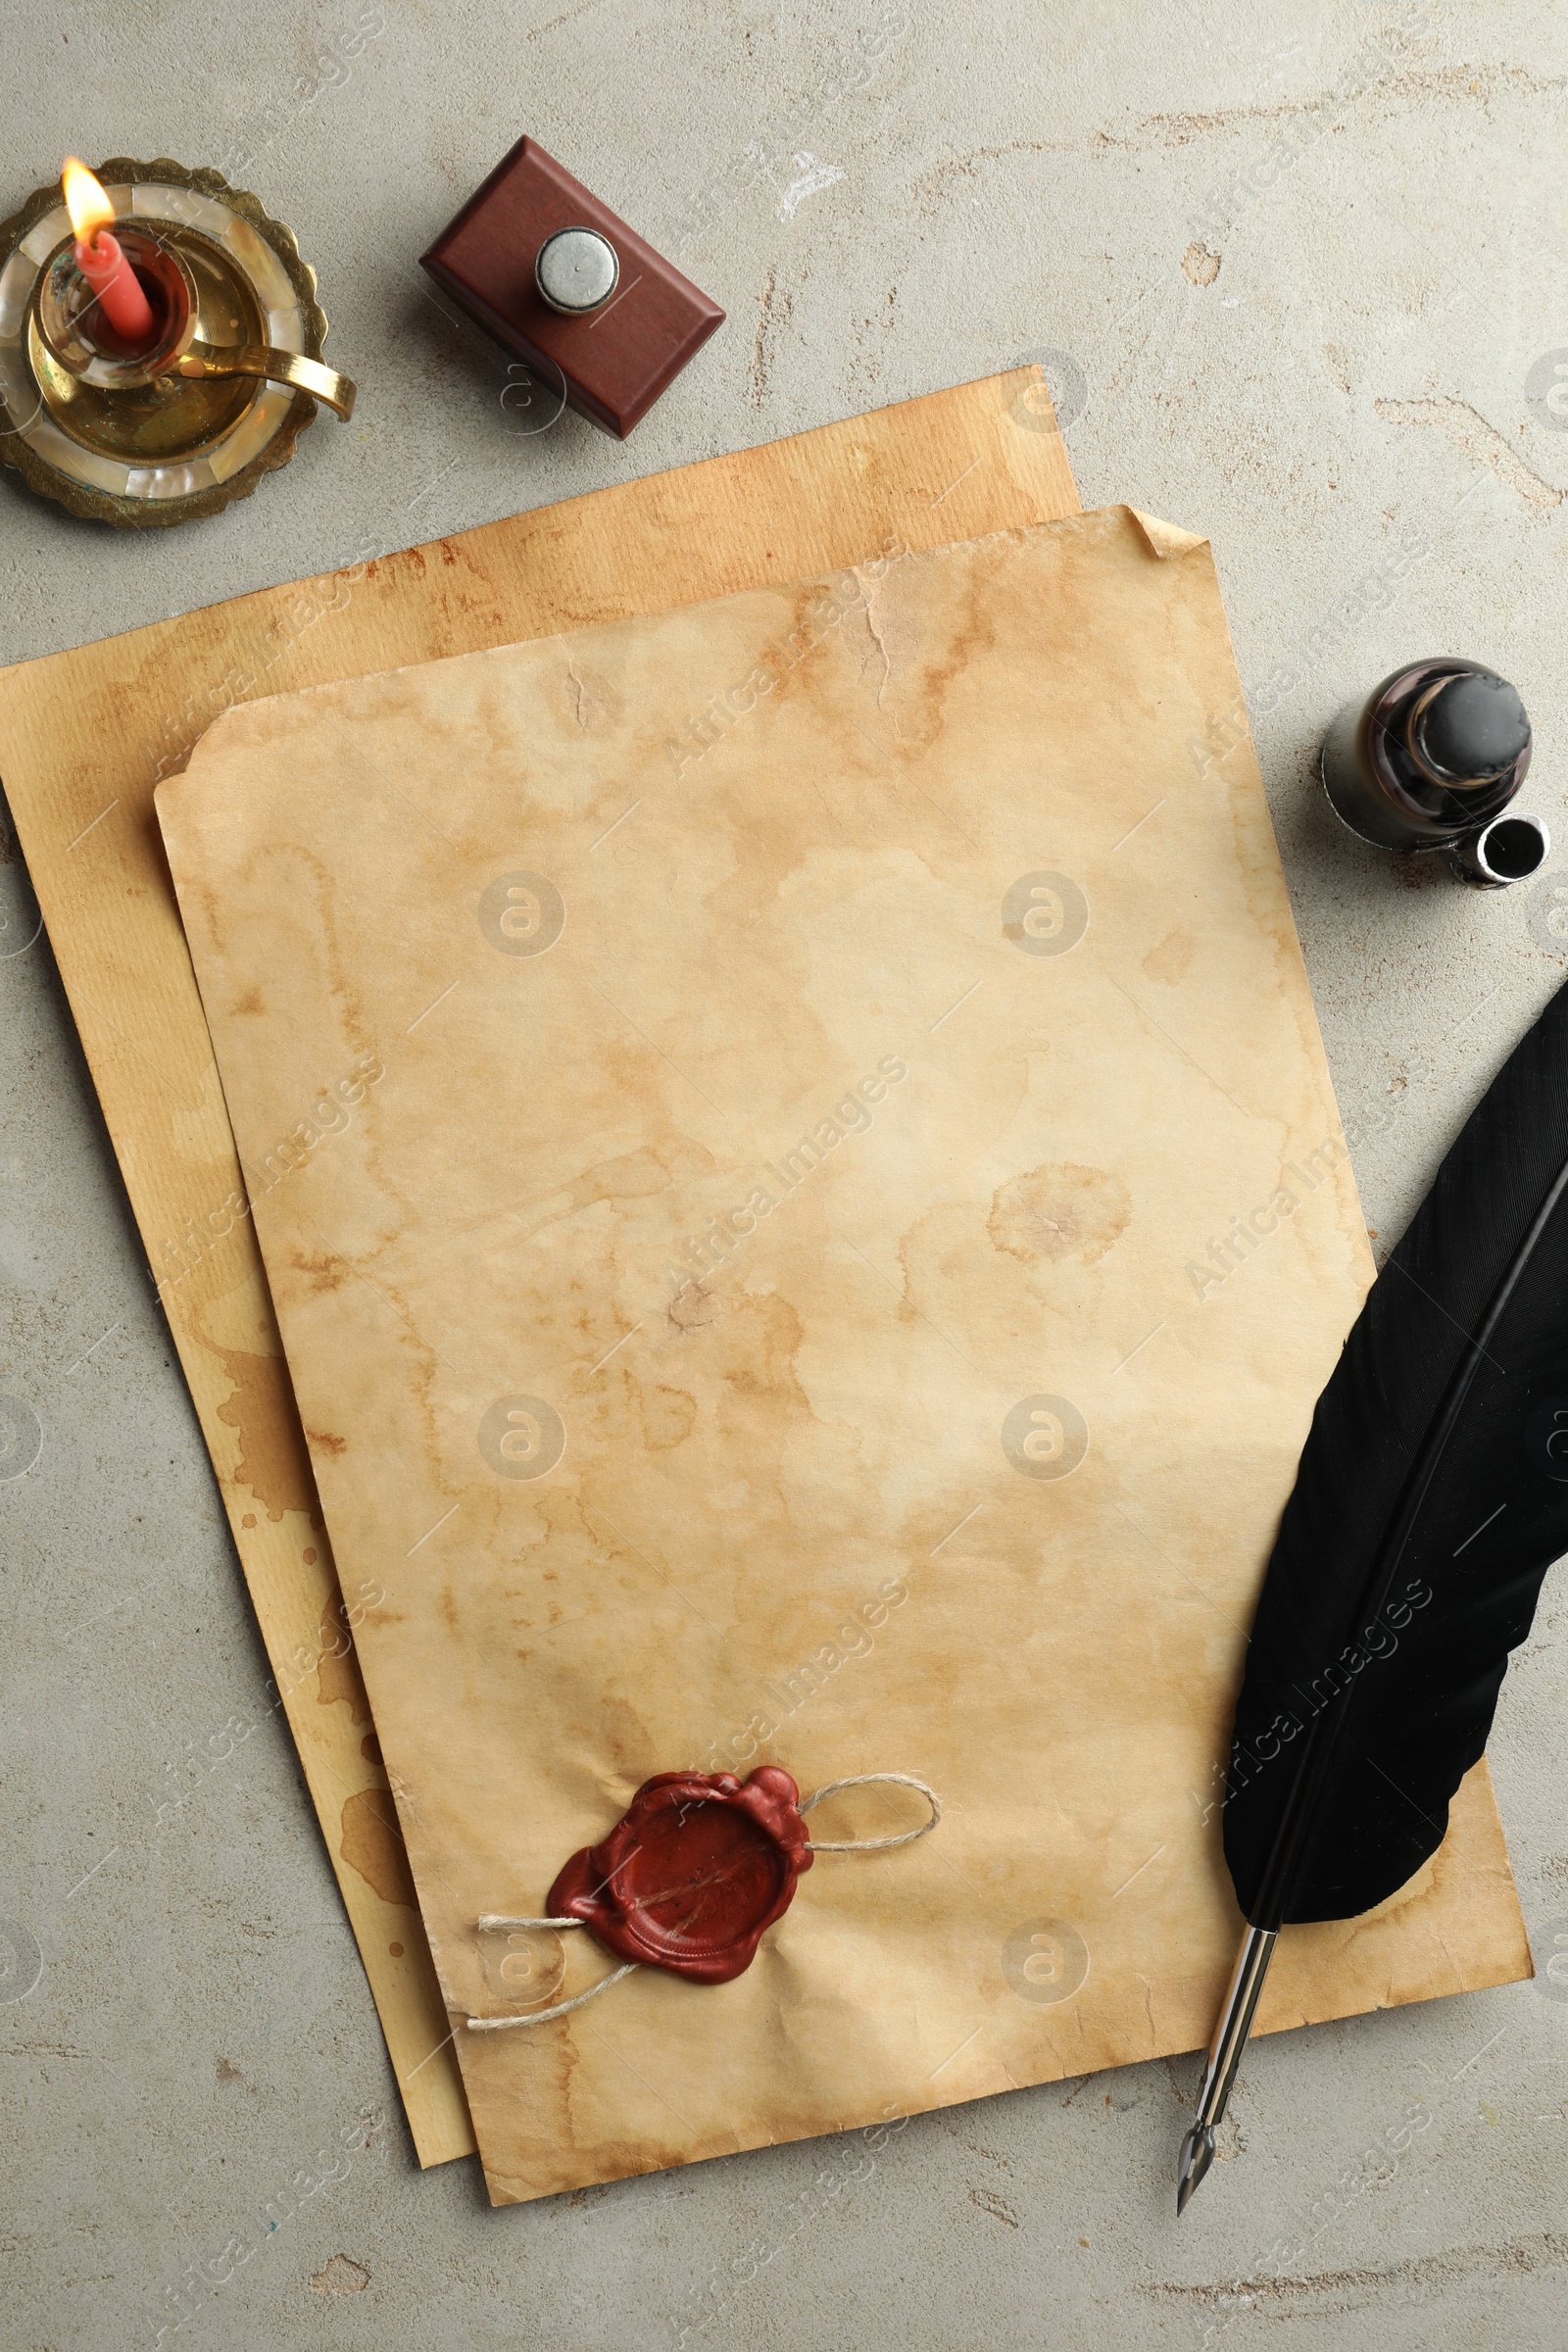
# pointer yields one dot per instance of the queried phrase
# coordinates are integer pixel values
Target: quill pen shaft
(1293, 1840)
(1292, 1843)
(1224, 2057)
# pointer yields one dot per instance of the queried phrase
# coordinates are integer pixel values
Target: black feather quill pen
(1430, 1499)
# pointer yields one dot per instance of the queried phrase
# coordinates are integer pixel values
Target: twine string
(503, 1923)
(874, 1845)
(541, 2017)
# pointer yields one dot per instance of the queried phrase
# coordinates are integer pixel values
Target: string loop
(541, 2017)
(503, 1922)
(874, 1845)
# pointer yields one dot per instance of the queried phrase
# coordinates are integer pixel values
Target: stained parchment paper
(808, 1217)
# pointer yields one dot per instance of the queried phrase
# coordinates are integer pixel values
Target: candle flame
(85, 201)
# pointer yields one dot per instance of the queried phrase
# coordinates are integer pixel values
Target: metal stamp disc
(576, 270)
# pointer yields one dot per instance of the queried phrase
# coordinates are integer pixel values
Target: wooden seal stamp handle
(601, 319)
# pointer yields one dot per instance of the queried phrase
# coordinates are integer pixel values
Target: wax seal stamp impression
(696, 1869)
(690, 1878)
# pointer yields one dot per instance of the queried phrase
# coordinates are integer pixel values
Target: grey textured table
(1297, 282)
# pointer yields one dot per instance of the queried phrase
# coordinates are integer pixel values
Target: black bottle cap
(1471, 729)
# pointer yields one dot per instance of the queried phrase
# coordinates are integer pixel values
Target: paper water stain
(372, 1844)
(1170, 960)
(337, 1673)
(668, 1416)
(1059, 1210)
(272, 1462)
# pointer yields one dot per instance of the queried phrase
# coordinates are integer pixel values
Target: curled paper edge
(1165, 539)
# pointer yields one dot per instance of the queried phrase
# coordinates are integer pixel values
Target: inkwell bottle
(1431, 762)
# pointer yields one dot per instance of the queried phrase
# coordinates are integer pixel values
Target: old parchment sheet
(740, 1107)
(85, 737)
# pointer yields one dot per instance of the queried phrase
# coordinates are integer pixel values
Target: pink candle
(100, 260)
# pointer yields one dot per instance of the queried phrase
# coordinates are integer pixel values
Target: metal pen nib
(1224, 2057)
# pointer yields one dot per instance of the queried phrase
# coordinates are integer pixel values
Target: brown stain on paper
(372, 1844)
(326, 1272)
(634, 1175)
(692, 1307)
(1169, 961)
(667, 1416)
(274, 1462)
(1060, 1210)
(337, 1673)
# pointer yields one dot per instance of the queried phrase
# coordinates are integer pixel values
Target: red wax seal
(696, 1869)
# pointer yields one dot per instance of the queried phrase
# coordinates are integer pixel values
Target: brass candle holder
(150, 438)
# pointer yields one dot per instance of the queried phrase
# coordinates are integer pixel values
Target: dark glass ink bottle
(1431, 760)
